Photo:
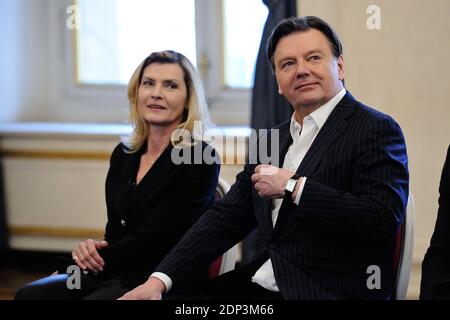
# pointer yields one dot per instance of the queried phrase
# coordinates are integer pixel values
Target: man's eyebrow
(286, 57)
(314, 51)
(290, 56)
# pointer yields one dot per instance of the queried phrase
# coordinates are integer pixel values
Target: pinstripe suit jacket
(353, 201)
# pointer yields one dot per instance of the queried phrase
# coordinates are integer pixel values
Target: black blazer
(145, 221)
(352, 204)
(435, 283)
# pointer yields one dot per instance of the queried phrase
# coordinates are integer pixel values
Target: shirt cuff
(164, 278)
(300, 191)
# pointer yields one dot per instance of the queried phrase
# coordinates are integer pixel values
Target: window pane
(243, 26)
(116, 35)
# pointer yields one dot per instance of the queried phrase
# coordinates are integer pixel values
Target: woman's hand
(86, 256)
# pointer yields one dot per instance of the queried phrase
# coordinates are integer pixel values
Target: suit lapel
(153, 179)
(285, 140)
(329, 133)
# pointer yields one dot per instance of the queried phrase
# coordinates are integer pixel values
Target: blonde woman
(151, 199)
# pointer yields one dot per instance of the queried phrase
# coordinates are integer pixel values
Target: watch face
(290, 185)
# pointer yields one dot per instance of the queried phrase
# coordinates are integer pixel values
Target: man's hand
(152, 289)
(86, 256)
(270, 181)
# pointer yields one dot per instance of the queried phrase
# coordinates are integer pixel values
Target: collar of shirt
(319, 116)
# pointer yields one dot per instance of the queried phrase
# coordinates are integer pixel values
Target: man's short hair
(301, 24)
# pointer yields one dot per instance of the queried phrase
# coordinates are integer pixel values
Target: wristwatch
(291, 183)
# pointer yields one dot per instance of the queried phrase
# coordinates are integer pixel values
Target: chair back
(403, 251)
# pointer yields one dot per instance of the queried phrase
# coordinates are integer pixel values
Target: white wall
(23, 59)
(9, 58)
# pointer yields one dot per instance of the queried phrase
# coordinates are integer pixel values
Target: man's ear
(341, 72)
(280, 91)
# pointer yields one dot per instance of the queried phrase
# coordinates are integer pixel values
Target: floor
(21, 267)
(414, 283)
(11, 280)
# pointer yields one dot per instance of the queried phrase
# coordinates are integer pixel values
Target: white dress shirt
(303, 138)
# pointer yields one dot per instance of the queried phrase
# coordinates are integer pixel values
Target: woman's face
(162, 95)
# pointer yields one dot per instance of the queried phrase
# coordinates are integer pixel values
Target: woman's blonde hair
(197, 109)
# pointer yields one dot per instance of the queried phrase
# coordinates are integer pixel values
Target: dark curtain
(3, 230)
(268, 107)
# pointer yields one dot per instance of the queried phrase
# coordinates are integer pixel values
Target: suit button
(122, 222)
(272, 246)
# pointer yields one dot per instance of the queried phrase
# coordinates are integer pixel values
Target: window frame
(228, 106)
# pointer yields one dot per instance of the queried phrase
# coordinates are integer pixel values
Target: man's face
(307, 72)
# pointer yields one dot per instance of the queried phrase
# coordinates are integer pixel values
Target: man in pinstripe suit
(328, 217)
